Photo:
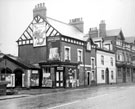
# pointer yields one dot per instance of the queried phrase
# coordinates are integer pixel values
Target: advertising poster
(39, 34)
(53, 48)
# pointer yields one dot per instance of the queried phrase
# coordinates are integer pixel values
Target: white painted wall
(107, 64)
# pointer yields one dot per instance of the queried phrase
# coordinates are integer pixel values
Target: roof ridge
(59, 21)
(114, 29)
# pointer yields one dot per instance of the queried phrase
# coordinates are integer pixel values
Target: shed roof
(17, 61)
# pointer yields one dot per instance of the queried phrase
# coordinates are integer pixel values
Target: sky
(16, 15)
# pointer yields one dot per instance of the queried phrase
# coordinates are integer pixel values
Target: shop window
(102, 60)
(35, 78)
(112, 75)
(6, 75)
(71, 77)
(67, 53)
(80, 55)
(102, 74)
(46, 81)
(119, 72)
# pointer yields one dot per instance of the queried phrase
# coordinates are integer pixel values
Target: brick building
(124, 51)
(65, 57)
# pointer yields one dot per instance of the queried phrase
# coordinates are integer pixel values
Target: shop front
(59, 75)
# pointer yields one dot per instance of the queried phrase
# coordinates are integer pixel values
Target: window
(111, 61)
(102, 74)
(67, 53)
(102, 60)
(88, 46)
(93, 75)
(92, 62)
(119, 57)
(80, 55)
(112, 76)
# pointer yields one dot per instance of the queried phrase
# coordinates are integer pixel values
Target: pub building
(59, 50)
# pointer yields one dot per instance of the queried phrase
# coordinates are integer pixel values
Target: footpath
(31, 92)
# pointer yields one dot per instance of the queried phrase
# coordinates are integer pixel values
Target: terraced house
(114, 40)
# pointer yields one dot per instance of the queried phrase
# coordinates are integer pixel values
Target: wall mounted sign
(39, 34)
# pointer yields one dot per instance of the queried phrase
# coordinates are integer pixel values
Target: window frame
(65, 47)
(102, 59)
(78, 55)
(94, 62)
(102, 74)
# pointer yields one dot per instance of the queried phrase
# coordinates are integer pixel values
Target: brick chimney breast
(40, 10)
(102, 29)
(78, 23)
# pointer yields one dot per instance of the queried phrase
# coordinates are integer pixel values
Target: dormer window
(88, 46)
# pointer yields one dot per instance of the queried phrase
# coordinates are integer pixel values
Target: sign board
(39, 34)
(59, 68)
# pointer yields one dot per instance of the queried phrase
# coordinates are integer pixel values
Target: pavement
(31, 92)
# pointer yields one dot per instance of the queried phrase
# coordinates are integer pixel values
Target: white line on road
(65, 104)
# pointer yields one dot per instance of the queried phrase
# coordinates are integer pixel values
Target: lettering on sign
(59, 68)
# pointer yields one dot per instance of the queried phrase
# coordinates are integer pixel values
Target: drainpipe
(84, 62)
(5, 69)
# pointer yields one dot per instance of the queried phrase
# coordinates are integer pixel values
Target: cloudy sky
(15, 16)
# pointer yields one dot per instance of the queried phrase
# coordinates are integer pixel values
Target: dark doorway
(124, 75)
(107, 76)
(88, 78)
(18, 78)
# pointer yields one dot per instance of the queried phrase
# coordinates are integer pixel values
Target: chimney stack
(78, 23)
(102, 29)
(93, 32)
(40, 10)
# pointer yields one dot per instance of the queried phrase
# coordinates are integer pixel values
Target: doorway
(88, 78)
(107, 76)
(59, 79)
(18, 78)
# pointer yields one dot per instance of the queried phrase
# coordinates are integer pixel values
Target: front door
(107, 76)
(88, 78)
(18, 78)
(59, 79)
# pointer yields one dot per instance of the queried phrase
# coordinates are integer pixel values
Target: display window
(71, 80)
(35, 78)
(46, 81)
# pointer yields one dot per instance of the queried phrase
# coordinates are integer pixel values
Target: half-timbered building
(66, 58)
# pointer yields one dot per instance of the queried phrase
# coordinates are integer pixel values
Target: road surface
(114, 97)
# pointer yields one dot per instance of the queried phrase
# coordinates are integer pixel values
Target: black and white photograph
(67, 54)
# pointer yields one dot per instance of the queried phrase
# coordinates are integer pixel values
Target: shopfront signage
(53, 38)
(59, 68)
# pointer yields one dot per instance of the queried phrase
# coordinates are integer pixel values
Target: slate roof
(130, 39)
(114, 32)
(18, 61)
(65, 29)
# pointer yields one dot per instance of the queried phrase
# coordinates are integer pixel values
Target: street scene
(101, 97)
(70, 54)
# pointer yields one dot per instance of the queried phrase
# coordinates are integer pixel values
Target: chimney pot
(43, 4)
(40, 9)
